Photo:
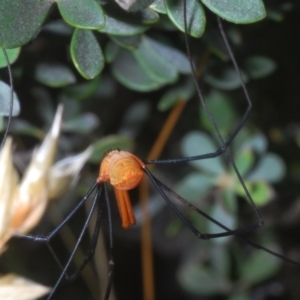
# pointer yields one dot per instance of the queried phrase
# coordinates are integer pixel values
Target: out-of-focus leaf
(127, 71)
(83, 90)
(270, 168)
(257, 143)
(195, 16)
(172, 55)
(127, 42)
(221, 109)
(12, 55)
(259, 66)
(15, 287)
(20, 20)
(23, 127)
(85, 14)
(238, 11)
(82, 124)
(111, 142)
(226, 79)
(86, 53)
(54, 75)
(59, 27)
(244, 161)
(259, 267)
(182, 91)
(111, 51)
(5, 100)
(154, 64)
(196, 143)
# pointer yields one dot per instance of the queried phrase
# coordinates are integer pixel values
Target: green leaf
(82, 124)
(228, 219)
(225, 79)
(259, 66)
(86, 53)
(257, 143)
(23, 127)
(221, 109)
(270, 168)
(83, 90)
(127, 71)
(85, 14)
(196, 143)
(195, 16)
(138, 4)
(159, 6)
(111, 51)
(119, 22)
(259, 267)
(54, 75)
(111, 142)
(12, 54)
(20, 20)
(244, 161)
(5, 101)
(237, 11)
(172, 55)
(154, 64)
(127, 42)
(182, 91)
(194, 186)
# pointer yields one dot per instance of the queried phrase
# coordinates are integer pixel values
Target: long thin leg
(93, 243)
(111, 262)
(47, 238)
(62, 275)
(239, 234)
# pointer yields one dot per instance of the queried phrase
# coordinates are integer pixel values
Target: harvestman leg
(224, 145)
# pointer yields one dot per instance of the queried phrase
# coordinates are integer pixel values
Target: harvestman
(124, 171)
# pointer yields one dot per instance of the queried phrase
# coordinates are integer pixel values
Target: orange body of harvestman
(123, 171)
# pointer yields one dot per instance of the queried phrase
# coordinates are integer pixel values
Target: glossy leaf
(237, 11)
(122, 23)
(195, 16)
(197, 143)
(12, 54)
(20, 20)
(108, 143)
(159, 6)
(86, 53)
(127, 71)
(54, 75)
(259, 66)
(154, 64)
(85, 14)
(5, 100)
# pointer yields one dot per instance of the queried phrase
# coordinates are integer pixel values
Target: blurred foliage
(105, 63)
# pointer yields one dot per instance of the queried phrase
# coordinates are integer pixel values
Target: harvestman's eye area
(123, 171)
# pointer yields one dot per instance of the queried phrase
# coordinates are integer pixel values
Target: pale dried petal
(32, 196)
(63, 175)
(14, 287)
(8, 186)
